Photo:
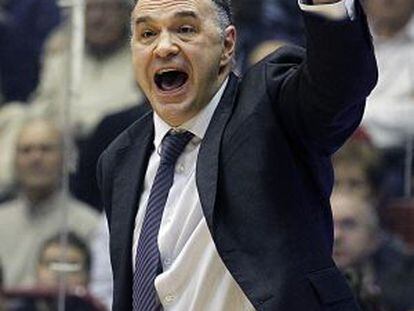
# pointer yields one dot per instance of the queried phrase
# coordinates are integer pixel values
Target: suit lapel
(128, 182)
(208, 158)
(130, 169)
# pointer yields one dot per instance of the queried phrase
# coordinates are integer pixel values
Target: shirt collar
(197, 125)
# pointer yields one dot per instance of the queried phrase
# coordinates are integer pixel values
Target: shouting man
(219, 198)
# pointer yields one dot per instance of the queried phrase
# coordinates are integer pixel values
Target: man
(41, 209)
(24, 27)
(390, 110)
(107, 55)
(74, 261)
(357, 232)
(383, 273)
(242, 218)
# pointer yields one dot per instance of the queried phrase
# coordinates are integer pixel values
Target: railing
(76, 10)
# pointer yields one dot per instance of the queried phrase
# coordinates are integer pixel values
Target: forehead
(39, 132)
(163, 7)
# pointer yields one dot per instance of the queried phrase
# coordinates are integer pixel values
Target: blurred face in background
(350, 177)
(106, 24)
(391, 15)
(39, 159)
(355, 229)
(51, 266)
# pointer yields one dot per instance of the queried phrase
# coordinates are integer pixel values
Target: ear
(229, 46)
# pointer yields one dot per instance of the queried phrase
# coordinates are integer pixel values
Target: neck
(37, 196)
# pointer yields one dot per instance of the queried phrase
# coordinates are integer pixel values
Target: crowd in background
(372, 201)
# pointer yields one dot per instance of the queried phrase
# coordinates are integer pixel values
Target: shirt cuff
(334, 11)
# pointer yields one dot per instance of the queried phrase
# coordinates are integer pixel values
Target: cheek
(140, 68)
(358, 241)
(22, 166)
(54, 164)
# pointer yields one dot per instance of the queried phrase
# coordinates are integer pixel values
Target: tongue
(173, 80)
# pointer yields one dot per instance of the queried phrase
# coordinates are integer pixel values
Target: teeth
(162, 71)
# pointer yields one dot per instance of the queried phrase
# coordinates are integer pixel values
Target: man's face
(39, 157)
(106, 22)
(354, 235)
(180, 55)
(51, 266)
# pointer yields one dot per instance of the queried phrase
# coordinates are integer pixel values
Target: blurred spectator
(41, 208)
(389, 112)
(72, 263)
(12, 117)
(101, 285)
(24, 26)
(383, 274)
(390, 109)
(108, 83)
(357, 168)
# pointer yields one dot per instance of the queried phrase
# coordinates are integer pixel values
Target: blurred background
(67, 90)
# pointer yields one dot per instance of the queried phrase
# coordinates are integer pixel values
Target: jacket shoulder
(285, 56)
(129, 136)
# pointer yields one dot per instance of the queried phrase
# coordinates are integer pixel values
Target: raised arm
(323, 98)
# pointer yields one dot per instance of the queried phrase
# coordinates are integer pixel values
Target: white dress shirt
(194, 276)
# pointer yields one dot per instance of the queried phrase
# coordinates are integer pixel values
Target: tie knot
(173, 145)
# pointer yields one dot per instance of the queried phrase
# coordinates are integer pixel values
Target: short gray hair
(224, 13)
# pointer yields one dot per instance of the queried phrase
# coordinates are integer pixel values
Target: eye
(187, 30)
(24, 149)
(147, 34)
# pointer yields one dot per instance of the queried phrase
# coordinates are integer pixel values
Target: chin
(177, 112)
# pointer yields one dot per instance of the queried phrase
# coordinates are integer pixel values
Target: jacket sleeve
(322, 98)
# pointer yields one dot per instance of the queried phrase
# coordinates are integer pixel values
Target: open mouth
(170, 80)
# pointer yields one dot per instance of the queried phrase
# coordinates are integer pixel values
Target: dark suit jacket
(263, 172)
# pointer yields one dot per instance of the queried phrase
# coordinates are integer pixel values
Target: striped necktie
(148, 263)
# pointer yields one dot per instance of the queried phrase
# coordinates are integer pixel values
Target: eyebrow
(181, 14)
(142, 19)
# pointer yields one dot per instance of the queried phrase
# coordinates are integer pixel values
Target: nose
(36, 156)
(166, 48)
